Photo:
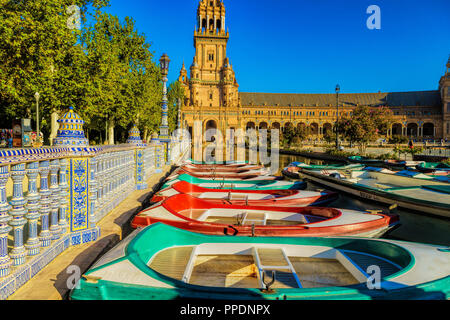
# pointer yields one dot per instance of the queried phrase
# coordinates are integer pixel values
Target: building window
(448, 107)
(210, 56)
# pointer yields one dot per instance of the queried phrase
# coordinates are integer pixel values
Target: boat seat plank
(272, 257)
(172, 262)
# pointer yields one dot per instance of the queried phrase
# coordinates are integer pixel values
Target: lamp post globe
(164, 64)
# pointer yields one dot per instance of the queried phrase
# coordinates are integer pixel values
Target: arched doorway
(314, 128)
(301, 126)
(250, 125)
(287, 125)
(412, 129)
(276, 125)
(428, 129)
(263, 125)
(397, 129)
(210, 130)
(327, 128)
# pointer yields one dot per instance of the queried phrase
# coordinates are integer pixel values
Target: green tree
(365, 125)
(175, 93)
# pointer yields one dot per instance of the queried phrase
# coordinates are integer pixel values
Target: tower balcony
(208, 33)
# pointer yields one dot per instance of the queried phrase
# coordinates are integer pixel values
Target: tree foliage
(105, 69)
(365, 125)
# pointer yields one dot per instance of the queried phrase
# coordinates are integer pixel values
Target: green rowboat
(354, 166)
(221, 183)
(163, 263)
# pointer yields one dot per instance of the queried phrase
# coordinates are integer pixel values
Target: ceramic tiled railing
(53, 198)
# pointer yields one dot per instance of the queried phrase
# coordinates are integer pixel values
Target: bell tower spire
(212, 90)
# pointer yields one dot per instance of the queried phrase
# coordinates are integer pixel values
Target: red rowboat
(193, 214)
(275, 198)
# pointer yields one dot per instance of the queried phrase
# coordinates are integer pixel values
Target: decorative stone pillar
(45, 236)
(64, 193)
(92, 192)
(55, 199)
(5, 261)
(18, 253)
(33, 245)
(134, 138)
(71, 134)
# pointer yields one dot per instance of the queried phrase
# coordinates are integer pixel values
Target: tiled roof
(393, 99)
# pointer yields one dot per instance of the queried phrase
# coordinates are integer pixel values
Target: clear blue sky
(308, 46)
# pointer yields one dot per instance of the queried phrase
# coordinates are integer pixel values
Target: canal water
(414, 227)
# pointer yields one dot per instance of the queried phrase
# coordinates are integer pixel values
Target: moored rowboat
(276, 198)
(197, 215)
(222, 183)
(305, 166)
(162, 263)
(238, 174)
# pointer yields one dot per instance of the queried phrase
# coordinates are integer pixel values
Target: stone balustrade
(53, 198)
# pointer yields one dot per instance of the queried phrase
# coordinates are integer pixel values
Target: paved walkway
(51, 282)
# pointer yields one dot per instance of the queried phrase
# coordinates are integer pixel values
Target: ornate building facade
(212, 96)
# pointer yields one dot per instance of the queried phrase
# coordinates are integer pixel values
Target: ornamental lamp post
(164, 128)
(338, 88)
(38, 136)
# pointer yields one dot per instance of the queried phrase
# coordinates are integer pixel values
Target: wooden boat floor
(269, 222)
(230, 271)
(172, 263)
(222, 220)
(241, 271)
(319, 272)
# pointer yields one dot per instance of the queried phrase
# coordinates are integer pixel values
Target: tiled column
(18, 253)
(5, 261)
(33, 245)
(139, 167)
(99, 180)
(92, 191)
(64, 193)
(55, 199)
(79, 194)
(45, 236)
